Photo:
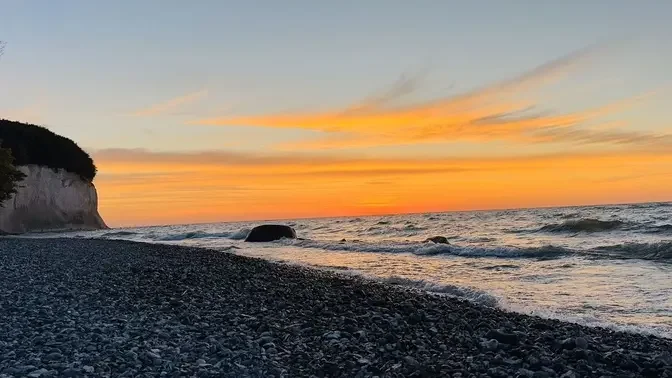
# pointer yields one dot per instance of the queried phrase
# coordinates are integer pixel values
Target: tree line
(32, 144)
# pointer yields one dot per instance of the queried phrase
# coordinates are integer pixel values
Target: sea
(607, 266)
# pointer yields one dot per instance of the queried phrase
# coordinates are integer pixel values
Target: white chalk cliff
(51, 200)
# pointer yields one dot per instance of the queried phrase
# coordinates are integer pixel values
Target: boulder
(437, 240)
(270, 232)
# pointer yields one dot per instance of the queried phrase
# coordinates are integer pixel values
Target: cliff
(51, 200)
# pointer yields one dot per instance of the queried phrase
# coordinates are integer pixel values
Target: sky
(237, 110)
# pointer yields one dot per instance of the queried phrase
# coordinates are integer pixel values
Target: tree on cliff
(9, 176)
(32, 144)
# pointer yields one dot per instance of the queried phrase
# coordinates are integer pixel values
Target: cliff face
(51, 201)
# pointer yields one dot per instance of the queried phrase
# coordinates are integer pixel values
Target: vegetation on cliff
(9, 176)
(31, 144)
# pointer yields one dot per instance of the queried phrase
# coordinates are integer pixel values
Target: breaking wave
(234, 235)
(467, 293)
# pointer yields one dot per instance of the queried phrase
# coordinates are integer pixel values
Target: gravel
(102, 308)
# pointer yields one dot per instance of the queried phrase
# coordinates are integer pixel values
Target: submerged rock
(270, 232)
(437, 240)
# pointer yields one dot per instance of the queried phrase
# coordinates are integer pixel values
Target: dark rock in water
(437, 240)
(270, 232)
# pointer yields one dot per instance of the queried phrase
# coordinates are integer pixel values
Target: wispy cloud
(504, 111)
(171, 105)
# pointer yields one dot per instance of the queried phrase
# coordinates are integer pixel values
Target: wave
(661, 251)
(118, 234)
(583, 225)
(431, 249)
(660, 229)
(467, 293)
(233, 235)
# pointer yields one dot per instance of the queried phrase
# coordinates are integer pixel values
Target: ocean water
(605, 266)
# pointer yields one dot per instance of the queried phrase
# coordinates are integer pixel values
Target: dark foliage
(9, 176)
(31, 144)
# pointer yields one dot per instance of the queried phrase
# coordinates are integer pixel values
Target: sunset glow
(218, 124)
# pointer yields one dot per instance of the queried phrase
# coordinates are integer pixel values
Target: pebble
(71, 372)
(581, 343)
(38, 373)
(133, 309)
(491, 344)
(502, 337)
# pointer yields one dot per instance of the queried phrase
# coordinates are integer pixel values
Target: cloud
(503, 111)
(133, 162)
(169, 106)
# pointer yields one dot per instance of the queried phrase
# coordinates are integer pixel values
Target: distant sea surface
(600, 265)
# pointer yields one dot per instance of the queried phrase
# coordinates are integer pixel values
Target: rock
(333, 335)
(491, 344)
(569, 343)
(38, 373)
(569, 374)
(525, 373)
(71, 372)
(88, 369)
(502, 337)
(437, 240)
(54, 356)
(270, 232)
(581, 343)
(410, 361)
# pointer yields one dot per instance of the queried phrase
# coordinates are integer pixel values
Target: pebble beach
(106, 308)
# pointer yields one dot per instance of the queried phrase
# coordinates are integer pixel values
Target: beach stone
(245, 317)
(54, 356)
(38, 373)
(270, 232)
(71, 372)
(491, 344)
(437, 240)
(569, 343)
(502, 337)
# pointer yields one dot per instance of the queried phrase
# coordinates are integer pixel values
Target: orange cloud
(143, 187)
(499, 112)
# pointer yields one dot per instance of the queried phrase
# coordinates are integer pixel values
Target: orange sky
(502, 145)
(149, 188)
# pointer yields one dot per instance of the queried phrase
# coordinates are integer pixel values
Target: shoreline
(77, 307)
